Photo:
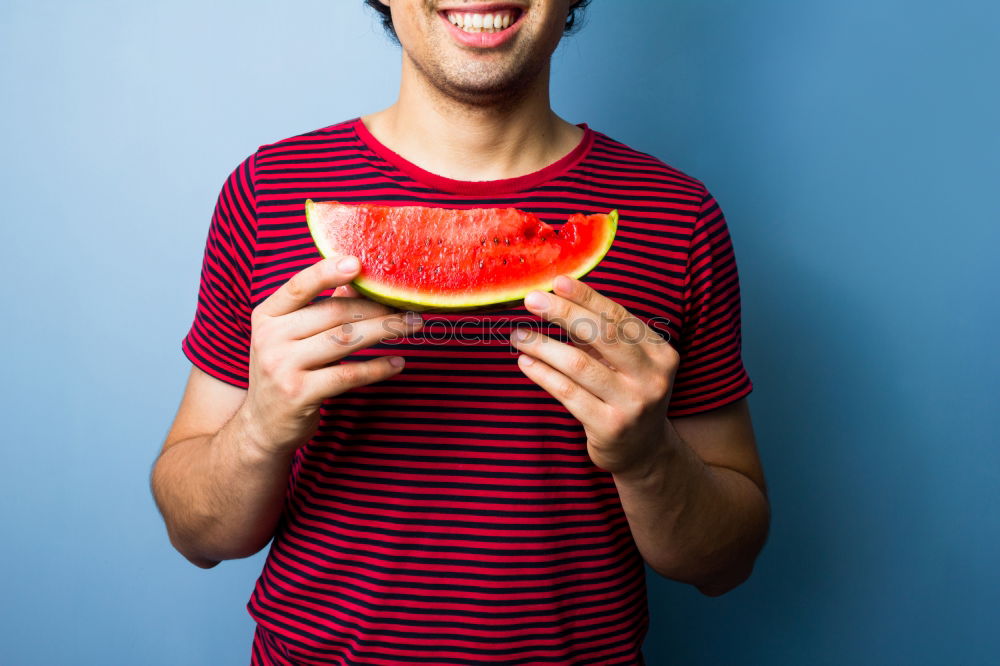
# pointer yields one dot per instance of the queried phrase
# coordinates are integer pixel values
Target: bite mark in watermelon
(420, 258)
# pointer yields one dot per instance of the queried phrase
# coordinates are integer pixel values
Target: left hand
(616, 379)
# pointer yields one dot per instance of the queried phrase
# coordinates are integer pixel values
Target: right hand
(295, 345)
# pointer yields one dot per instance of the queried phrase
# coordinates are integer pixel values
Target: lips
(483, 26)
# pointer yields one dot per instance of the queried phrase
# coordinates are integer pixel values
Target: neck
(473, 139)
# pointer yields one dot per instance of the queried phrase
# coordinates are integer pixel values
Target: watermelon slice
(419, 258)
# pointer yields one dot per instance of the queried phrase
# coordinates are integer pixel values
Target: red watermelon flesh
(425, 258)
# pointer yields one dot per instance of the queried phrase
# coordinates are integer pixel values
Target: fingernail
(396, 361)
(348, 264)
(537, 300)
(526, 360)
(562, 283)
(520, 334)
(412, 318)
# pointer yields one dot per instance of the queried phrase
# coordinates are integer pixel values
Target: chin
(484, 85)
(484, 95)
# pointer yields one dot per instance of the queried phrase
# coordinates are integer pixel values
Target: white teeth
(482, 22)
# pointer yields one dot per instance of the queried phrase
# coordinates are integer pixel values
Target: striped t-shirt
(451, 515)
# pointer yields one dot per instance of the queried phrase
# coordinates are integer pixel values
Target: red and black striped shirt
(451, 515)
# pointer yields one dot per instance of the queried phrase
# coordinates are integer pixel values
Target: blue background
(853, 144)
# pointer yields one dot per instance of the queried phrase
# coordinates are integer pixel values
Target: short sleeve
(711, 372)
(219, 339)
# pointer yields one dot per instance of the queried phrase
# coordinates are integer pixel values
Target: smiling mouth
(488, 22)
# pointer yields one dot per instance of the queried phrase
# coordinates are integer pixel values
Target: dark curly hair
(572, 21)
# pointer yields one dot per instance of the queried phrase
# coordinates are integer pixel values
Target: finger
(613, 332)
(334, 344)
(572, 362)
(346, 291)
(307, 284)
(589, 298)
(331, 312)
(596, 355)
(578, 401)
(336, 379)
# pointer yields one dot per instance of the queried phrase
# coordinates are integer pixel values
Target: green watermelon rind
(417, 301)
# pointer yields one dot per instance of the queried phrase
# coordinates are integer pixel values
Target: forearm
(693, 522)
(220, 496)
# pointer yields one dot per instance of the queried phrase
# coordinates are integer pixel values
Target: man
(482, 505)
